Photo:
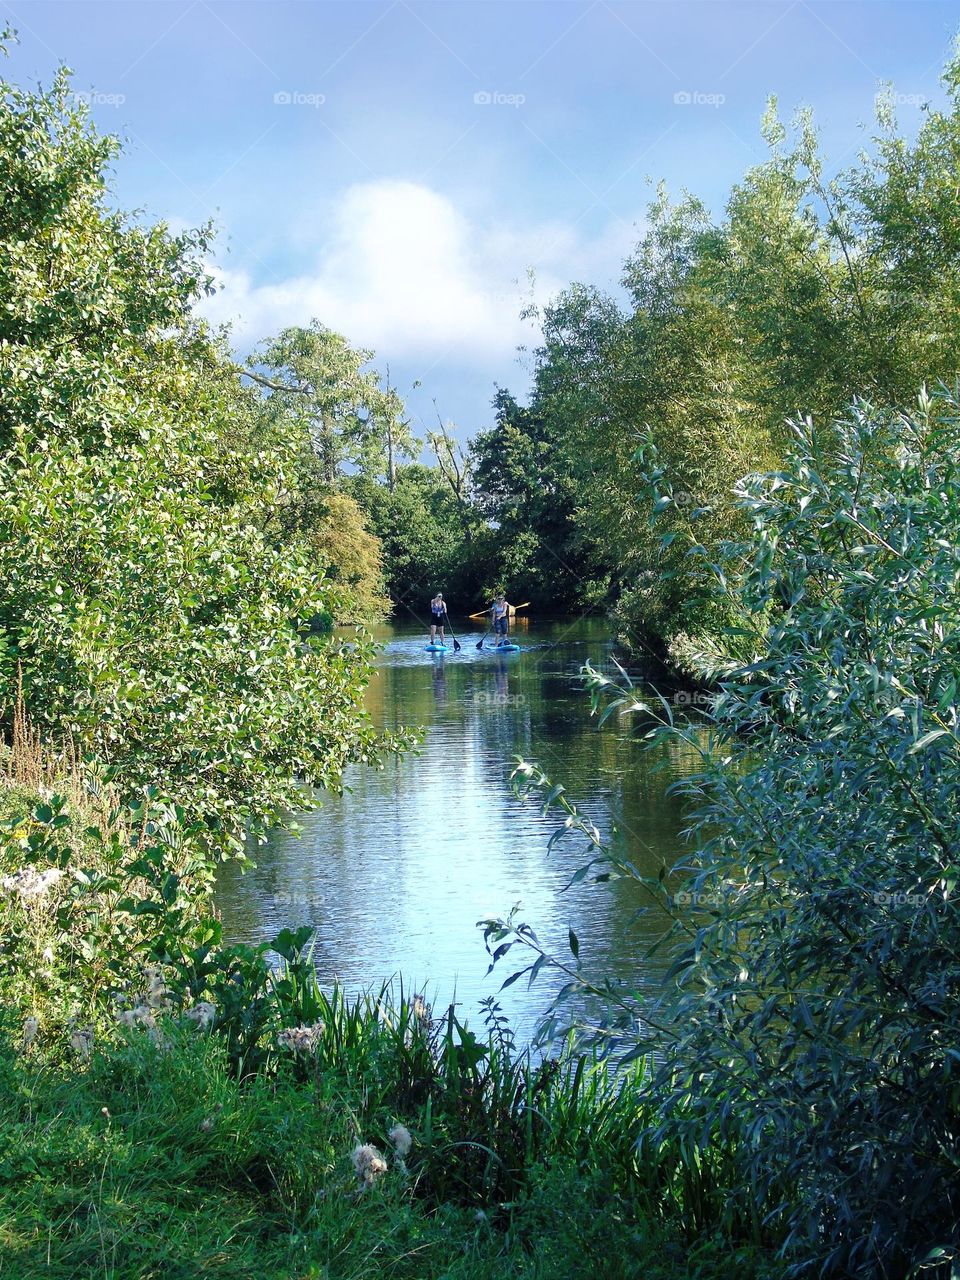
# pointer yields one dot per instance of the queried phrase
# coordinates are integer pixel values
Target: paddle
(482, 638)
(514, 610)
(457, 646)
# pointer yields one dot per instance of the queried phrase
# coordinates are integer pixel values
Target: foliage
(352, 557)
(156, 618)
(816, 1028)
(88, 907)
(319, 382)
(243, 1082)
(523, 486)
(157, 1161)
(418, 524)
(807, 292)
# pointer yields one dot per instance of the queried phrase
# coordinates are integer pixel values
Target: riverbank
(171, 1106)
(154, 1160)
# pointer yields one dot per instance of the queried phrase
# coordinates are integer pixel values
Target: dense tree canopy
(806, 293)
(159, 612)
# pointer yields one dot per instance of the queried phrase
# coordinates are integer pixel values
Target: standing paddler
(500, 613)
(438, 617)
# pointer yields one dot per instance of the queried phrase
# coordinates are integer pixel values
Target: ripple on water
(394, 875)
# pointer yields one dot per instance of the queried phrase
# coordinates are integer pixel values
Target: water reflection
(394, 875)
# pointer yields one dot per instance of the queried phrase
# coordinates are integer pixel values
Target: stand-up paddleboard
(435, 648)
(503, 648)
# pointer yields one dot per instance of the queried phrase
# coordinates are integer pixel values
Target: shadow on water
(394, 875)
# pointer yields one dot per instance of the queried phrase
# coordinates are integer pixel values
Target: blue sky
(396, 168)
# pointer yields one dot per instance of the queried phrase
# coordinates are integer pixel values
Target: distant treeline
(808, 292)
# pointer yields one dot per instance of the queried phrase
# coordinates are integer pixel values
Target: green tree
(319, 380)
(808, 291)
(807, 1038)
(153, 618)
(418, 524)
(525, 488)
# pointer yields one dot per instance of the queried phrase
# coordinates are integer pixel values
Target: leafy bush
(153, 612)
(817, 1029)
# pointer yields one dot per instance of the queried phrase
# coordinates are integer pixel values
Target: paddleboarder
(500, 613)
(438, 617)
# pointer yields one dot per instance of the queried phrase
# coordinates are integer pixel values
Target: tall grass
(174, 1107)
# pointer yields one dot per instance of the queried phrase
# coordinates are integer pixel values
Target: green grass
(161, 1164)
(222, 1153)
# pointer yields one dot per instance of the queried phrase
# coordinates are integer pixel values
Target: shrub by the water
(816, 1038)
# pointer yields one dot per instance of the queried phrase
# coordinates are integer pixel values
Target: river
(394, 875)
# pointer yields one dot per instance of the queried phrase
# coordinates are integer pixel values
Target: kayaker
(500, 612)
(438, 616)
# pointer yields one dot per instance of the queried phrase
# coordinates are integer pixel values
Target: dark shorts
(500, 625)
(438, 620)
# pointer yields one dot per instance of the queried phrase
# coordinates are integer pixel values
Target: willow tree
(806, 292)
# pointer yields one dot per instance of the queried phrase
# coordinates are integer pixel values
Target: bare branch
(275, 386)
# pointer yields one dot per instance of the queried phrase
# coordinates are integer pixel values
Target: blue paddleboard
(435, 648)
(503, 648)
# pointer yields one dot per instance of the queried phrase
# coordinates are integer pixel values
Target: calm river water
(394, 875)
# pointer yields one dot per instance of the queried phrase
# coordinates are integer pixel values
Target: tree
(807, 292)
(807, 1038)
(418, 524)
(525, 488)
(152, 616)
(319, 380)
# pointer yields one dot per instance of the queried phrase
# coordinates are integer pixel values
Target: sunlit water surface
(394, 875)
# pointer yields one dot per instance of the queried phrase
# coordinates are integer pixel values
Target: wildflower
(105, 1112)
(140, 1016)
(30, 1028)
(28, 883)
(157, 992)
(301, 1039)
(202, 1014)
(81, 1042)
(399, 1135)
(421, 1011)
(368, 1163)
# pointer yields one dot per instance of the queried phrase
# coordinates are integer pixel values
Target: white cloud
(403, 271)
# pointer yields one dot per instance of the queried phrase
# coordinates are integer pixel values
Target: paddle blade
(457, 646)
(479, 644)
